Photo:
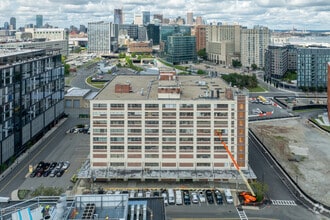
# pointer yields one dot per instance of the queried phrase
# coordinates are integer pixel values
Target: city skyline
(279, 14)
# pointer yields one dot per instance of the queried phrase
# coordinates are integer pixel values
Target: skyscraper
(146, 17)
(6, 25)
(39, 21)
(199, 20)
(190, 19)
(118, 16)
(13, 22)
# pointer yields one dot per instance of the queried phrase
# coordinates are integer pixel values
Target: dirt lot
(303, 150)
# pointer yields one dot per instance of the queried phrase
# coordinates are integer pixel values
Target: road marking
(284, 202)
(242, 214)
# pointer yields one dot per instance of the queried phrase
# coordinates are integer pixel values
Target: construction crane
(218, 133)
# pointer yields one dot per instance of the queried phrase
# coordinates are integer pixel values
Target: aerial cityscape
(164, 110)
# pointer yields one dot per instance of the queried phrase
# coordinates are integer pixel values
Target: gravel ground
(303, 150)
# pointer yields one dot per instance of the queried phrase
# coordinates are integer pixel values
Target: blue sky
(276, 14)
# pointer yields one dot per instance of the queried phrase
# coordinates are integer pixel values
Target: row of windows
(155, 139)
(164, 114)
(148, 122)
(156, 106)
(121, 164)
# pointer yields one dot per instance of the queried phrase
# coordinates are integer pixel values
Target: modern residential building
(153, 126)
(254, 43)
(39, 21)
(181, 49)
(32, 97)
(200, 34)
(12, 23)
(312, 67)
(118, 17)
(145, 17)
(102, 37)
(223, 43)
(169, 30)
(190, 18)
(61, 45)
(279, 60)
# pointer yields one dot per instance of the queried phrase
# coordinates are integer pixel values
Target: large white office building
(163, 123)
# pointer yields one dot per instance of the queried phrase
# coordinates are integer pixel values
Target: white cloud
(272, 13)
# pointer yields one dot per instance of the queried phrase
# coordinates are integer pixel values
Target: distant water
(311, 40)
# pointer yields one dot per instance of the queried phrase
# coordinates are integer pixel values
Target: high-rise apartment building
(12, 22)
(223, 43)
(32, 97)
(254, 43)
(190, 18)
(181, 49)
(145, 17)
(163, 127)
(312, 67)
(102, 37)
(200, 34)
(118, 16)
(39, 21)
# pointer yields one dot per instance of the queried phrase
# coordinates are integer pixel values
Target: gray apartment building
(312, 67)
(32, 97)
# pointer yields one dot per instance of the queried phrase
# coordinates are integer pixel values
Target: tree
(254, 66)
(259, 189)
(236, 63)
(200, 72)
(202, 53)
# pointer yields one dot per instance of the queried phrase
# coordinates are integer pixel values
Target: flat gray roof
(77, 92)
(192, 87)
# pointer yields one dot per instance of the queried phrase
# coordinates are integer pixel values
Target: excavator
(248, 196)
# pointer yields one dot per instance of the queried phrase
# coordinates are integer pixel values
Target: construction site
(303, 150)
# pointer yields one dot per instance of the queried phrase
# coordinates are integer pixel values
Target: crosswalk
(242, 214)
(284, 202)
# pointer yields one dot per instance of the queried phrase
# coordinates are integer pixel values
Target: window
(116, 131)
(117, 139)
(186, 106)
(169, 106)
(151, 105)
(134, 106)
(203, 156)
(169, 148)
(117, 155)
(117, 105)
(131, 139)
(203, 106)
(117, 164)
(203, 164)
(134, 122)
(151, 164)
(169, 139)
(117, 147)
(134, 147)
(99, 105)
(151, 156)
(182, 139)
(99, 139)
(186, 148)
(151, 139)
(220, 105)
(99, 147)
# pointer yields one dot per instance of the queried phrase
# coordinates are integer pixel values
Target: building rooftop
(77, 92)
(146, 87)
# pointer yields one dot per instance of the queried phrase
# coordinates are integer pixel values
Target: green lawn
(95, 84)
(257, 89)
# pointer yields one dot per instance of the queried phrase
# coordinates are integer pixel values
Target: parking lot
(72, 147)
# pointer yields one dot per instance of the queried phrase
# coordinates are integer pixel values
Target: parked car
(40, 172)
(59, 165)
(40, 165)
(53, 172)
(218, 197)
(209, 196)
(52, 165)
(33, 174)
(47, 172)
(60, 173)
(155, 193)
(201, 196)
(148, 194)
(194, 198)
(186, 197)
(66, 165)
(164, 195)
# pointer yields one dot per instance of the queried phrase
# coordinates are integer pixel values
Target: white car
(148, 194)
(66, 165)
(165, 198)
(194, 198)
(201, 196)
